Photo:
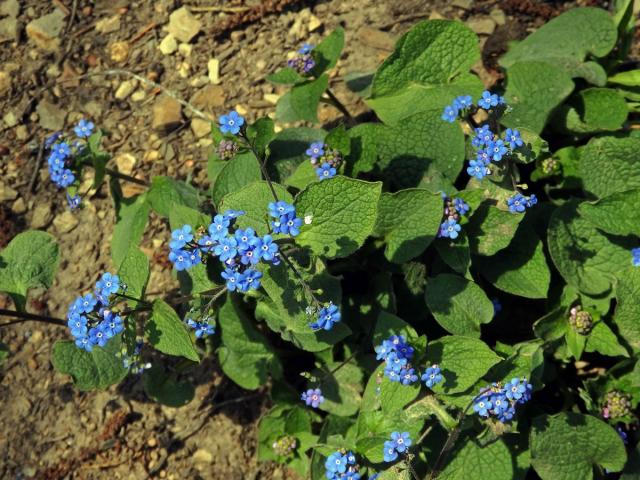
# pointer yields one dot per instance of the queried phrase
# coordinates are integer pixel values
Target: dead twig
(146, 29)
(36, 170)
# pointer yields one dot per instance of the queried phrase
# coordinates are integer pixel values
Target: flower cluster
(399, 443)
(62, 153)
(90, 317)
(397, 354)
(285, 446)
(489, 148)
(286, 221)
(342, 465)
(500, 400)
(325, 159)
(459, 104)
(227, 149)
(203, 328)
(518, 203)
(239, 250)
(453, 209)
(312, 397)
(231, 123)
(635, 257)
(302, 62)
(617, 405)
(326, 318)
(580, 320)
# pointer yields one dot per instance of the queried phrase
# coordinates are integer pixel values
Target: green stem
(25, 317)
(129, 297)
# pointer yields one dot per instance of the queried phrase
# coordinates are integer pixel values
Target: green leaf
(241, 170)
(338, 139)
(553, 325)
(98, 158)
(132, 217)
(429, 406)
(609, 165)
(616, 214)
(254, 200)
(168, 334)
(630, 78)
(575, 343)
(431, 53)
(301, 102)
(97, 369)
(594, 110)
(341, 390)
(534, 90)
(533, 148)
(29, 261)
(381, 392)
(584, 257)
(285, 312)
(363, 153)
(521, 268)
(285, 76)
(374, 428)
(475, 461)
(327, 52)
(491, 229)
(260, 133)
(455, 253)
(463, 360)
(303, 176)
(408, 221)
(604, 341)
(389, 324)
(163, 389)
(566, 41)
(134, 272)
(181, 215)
(288, 150)
(343, 213)
(566, 446)
(165, 192)
(245, 355)
(628, 309)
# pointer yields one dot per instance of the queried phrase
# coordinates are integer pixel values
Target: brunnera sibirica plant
(443, 287)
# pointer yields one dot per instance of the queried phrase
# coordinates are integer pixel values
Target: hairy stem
(333, 100)
(25, 317)
(125, 177)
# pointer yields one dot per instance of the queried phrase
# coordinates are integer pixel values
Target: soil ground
(49, 429)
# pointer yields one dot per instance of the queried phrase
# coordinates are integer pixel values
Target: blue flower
(401, 441)
(497, 150)
(327, 317)
(408, 376)
(51, 139)
(484, 136)
(390, 453)
(635, 257)
(484, 156)
(517, 203)
(450, 229)
(63, 178)
(219, 228)
(195, 257)
(226, 249)
(202, 329)
(512, 137)
(450, 113)
(482, 406)
(84, 128)
(232, 214)
(245, 239)
(432, 376)
(531, 201)
(84, 343)
(180, 237)
(78, 325)
(112, 324)
(232, 278)
(97, 336)
(181, 259)
(477, 169)
(396, 362)
(336, 463)
(73, 202)
(488, 100)
(305, 48)
(500, 404)
(463, 101)
(280, 209)
(312, 397)
(383, 350)
(108, 284)
(507, 414)
(206, 243)
(287, 224)
(265, 248)
(249, 280)
(461, 206)
(515, 389)
(88, 303)
(231, 122)
(497, 306)
(325, 171)
(315, 150)
(61, 150)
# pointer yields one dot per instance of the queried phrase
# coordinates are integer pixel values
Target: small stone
(183, 69)
(168, 45)
(200, 127)
(436, 15)
(125, 163)
(138, 96)
(22, 133)
(209, 97)
(167, 114)
(272, 98)
(376, 38)
(185, 49)
(183, 25)
(5, 82)
(237, 36)
(7, 193)
(152, 442)
(44, 31)
(65, 222)
(42, 216)
(261, 65)
(314, 23)
(464, 4)
(119, 51)
(213, 67)
(10, 8)
(109, 24)
(482, 25)
(8, 29)
(498, 16)
(202, 456)
(198, 82)
(10, 119)
(126, 88)
(51, 117)
(132, 189)
(19, 206)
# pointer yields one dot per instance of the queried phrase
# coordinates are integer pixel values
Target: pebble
(109, 24)
(51, 117)
(7, 193)
(9, 29)
(19, 206)
(183, 25)
(200, 127)
(139, 96)
(119, 51)
(10, 8)
(272, 98)
(314, 23)
(482, 25)
(209, 97)
(184, 69)
(198, 82)
(65, 222)
(168, 45)
(125, 163)
(167, 114)
(44, 31)
(21, 132)
(126, 88)
(202, 456)
(464, 4)
(213, 68)
(5, 82)
(498, 16)
(10, 119)
(185, 49)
